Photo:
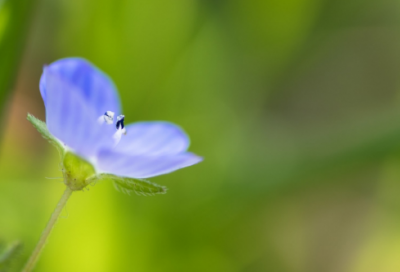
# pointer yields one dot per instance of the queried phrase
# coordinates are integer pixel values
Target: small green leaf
(7, 257)
(42, 128)
(129, 185)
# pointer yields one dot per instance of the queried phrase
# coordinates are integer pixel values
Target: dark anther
(120, 122)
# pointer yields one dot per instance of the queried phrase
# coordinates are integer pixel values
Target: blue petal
(142, 166)
(70, 119)
(96, 89)
(153, 138)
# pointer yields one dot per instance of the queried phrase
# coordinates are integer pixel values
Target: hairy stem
(53, 219)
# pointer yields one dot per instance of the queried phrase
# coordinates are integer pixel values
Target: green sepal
(78, 173)
(138, 186)
(42, 128)
(8, 256)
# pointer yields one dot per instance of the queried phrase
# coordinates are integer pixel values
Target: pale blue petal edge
(153, 138)
(94, 86)
(142, 166)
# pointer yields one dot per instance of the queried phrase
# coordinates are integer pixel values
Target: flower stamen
(120, 129)
(107, 117)
(120, 123)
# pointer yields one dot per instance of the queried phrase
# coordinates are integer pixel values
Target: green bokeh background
(295, 105)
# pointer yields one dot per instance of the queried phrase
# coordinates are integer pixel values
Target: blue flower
(81, 104)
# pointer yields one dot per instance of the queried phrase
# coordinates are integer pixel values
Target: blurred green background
(295, 105)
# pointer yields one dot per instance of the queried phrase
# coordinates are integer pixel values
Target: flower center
(108, 118)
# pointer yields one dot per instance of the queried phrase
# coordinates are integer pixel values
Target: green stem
(53, 219)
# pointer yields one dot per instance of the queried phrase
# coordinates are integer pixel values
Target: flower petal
(141, 166)
(153, 138)
(70, 119)
(95, 88)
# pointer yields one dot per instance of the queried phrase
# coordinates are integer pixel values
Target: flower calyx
(78, 173)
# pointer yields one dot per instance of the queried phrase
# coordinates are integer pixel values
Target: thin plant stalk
(53, 219)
